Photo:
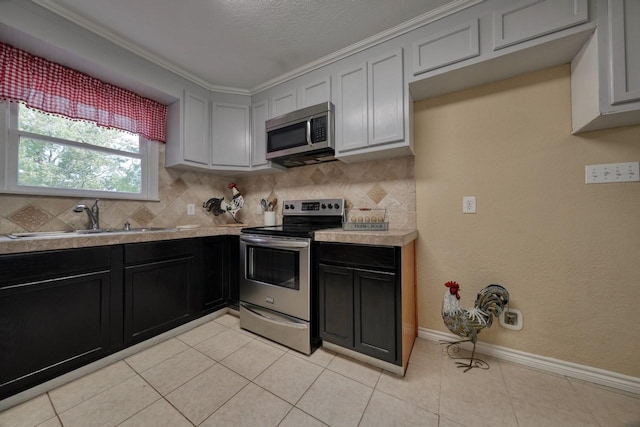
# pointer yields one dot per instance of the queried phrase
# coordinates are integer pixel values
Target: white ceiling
(238, 44)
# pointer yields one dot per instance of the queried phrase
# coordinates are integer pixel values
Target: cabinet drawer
(137, 253)
(20, 268)
(364, 256)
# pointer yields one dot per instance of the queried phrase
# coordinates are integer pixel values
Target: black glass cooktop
(297, 226)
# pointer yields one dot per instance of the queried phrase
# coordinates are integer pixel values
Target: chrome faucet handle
(127, 226)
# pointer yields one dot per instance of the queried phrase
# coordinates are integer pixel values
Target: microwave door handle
(309, 132)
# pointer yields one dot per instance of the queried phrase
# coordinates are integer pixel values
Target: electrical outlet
(511, 318)
(191, 209)
(258, 209)
(469, 204)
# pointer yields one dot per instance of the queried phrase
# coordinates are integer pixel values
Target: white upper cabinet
(351, 113)
(446, 47)
(188, 131)
(385, 99)
(230, 133)
(284, 103)
(259, 115)
(315, 92)
(528, 19)
(605, 75)
(624, 27)
(370, 110)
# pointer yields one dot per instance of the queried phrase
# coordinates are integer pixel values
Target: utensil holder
(269, 218)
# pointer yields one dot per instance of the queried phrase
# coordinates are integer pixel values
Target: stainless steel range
(277, 298)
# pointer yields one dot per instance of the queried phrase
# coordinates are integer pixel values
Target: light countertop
(70, 240)
(385, 238)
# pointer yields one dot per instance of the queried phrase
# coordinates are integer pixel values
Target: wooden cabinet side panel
(409, 298)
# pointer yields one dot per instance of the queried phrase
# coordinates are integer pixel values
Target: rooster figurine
(218, 206)
(467, 323)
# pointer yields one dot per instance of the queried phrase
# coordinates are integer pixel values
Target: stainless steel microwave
(302, 137)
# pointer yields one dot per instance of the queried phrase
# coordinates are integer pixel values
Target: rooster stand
(218, 206)
(467, 323)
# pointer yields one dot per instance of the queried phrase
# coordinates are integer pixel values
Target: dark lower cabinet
(55, 314)
(215, 259)
(159, 287)
(360, 299)
(60, 310)
(336, 304)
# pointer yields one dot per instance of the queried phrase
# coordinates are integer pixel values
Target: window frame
(9, 149)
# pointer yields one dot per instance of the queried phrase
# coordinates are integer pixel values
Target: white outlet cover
(469, 204)
(191, 209)
(517, 326)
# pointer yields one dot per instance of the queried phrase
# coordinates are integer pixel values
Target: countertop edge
(400, 237)
(37, 244)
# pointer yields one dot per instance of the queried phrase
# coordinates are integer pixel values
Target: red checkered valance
(56, 89)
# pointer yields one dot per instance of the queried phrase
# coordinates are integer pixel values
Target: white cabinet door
(230, 135)
(624, 42)
(351, 109)
(528, 19)
(386, 99)
(196, 128)
(259, 138)
(283, 103)
(447, 47)
(315, 93)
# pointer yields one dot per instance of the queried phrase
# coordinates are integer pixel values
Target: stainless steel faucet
(93, 213)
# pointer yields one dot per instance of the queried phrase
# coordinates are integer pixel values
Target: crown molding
(412, 24)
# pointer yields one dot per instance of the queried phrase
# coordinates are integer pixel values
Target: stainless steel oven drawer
(285, 330)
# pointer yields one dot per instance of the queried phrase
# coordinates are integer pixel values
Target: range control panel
(333, 207)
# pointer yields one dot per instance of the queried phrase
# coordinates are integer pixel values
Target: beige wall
(569, 253)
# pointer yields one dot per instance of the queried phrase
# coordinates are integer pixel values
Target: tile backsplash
(387, 184)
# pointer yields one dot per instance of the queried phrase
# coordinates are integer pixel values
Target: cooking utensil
(272, 205)
(264, 204)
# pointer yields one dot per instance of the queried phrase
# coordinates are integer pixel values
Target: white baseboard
(543, 363)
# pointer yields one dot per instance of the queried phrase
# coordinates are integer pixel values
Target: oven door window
(278, 267)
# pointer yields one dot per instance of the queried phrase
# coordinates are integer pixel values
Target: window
(51, 155)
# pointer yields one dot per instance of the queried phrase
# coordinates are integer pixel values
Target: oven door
(276, 274)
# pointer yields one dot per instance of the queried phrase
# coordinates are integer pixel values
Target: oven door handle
(272, 243)
(272, 319)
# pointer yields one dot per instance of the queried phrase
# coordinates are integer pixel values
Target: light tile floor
(219, 375)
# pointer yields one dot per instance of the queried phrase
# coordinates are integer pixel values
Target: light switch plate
(612, 172)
